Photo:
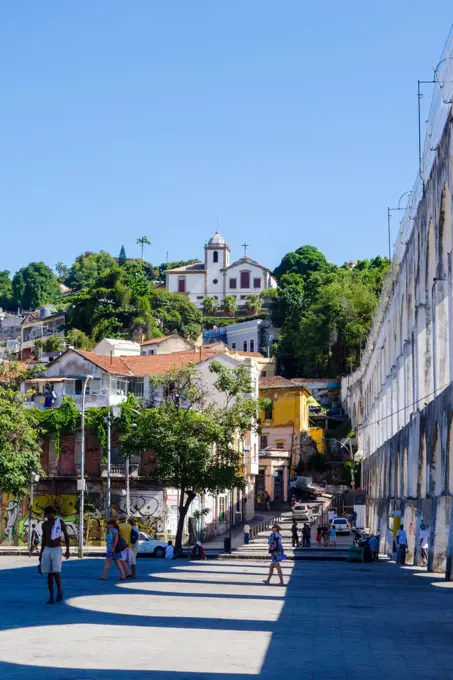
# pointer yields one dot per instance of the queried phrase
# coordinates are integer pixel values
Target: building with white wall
(217, 276)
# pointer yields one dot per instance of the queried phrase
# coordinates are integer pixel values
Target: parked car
(150, 546)
(301, 513)
(341, 525)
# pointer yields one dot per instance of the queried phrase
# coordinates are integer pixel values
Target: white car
(150, 546)
(301, 513)
(341, 525)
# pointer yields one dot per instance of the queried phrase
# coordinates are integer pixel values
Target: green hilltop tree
(34, 286)
(122, 256)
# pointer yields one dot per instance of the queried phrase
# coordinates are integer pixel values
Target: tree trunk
(183, 510)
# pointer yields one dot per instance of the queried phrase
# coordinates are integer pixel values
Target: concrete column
(441, 344)
(439, 534)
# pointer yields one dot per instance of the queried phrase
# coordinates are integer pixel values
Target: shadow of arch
(421, 482)
(435, 464)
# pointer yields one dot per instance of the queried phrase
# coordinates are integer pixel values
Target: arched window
(215, 256)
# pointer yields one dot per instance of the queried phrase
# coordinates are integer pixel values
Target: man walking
(125, 530)
(306, 536)
(401, 542)
(246, 533)
(424, 543)
(50, 556)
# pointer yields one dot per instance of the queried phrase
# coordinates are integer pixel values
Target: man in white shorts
(50, 556)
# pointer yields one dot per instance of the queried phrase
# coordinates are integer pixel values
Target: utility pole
(128, 494)
(81, 484)
(109, 458)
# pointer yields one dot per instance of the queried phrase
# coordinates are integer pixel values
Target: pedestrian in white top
(401, 541)
(169, 551)
(424, 543)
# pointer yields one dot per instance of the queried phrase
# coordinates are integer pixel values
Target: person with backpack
(34, 540)
(276, 553)
(134, 546)
(116, 551)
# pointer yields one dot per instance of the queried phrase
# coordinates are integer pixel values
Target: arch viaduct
(401, 397)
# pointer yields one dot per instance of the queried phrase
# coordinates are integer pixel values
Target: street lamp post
(389, 217)
(82, 469)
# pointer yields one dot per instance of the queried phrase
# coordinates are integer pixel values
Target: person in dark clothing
(295, 535)
(306, 536)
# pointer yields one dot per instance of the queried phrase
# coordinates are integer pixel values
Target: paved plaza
(215, 620)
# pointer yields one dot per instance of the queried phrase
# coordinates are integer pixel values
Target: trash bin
(227, 544)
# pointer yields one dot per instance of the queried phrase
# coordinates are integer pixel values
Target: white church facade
(217, 277)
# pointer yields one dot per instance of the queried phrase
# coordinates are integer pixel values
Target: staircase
(257, 549)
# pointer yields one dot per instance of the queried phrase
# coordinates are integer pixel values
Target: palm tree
(143, 241)
(229, 305)
(254, 303)
(209, 305)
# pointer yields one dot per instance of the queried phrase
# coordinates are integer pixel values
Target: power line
(377, 422)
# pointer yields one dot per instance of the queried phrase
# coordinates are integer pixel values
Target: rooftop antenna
(245, 246)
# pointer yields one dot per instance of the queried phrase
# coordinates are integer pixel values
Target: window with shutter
(245, 279)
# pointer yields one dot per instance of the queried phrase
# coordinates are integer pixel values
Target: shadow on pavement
(336, 621)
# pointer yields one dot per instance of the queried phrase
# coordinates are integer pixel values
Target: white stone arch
(430, 261)
(421, 484)
(435, 463)
(404, 324)
(449, 461)
(445, 233)
(405, 489)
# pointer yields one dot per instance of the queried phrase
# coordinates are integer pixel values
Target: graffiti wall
(146, 506)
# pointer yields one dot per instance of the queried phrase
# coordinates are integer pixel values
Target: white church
(216, 277)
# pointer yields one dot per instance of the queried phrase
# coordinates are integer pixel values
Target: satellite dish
(358, 456)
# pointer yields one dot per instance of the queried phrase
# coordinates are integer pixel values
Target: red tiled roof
(107, 363)
(152, 364)
(155, 341)
(276, 381)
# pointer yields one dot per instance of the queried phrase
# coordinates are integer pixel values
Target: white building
(217, 277)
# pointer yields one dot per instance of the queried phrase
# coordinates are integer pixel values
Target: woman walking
(116, 551)
(276, 553)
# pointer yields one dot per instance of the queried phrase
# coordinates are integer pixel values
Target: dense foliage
(19, 446)
(122, 302)
(34, 285)
(324, 312)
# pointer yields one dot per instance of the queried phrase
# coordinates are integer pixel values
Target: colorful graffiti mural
(146, 506)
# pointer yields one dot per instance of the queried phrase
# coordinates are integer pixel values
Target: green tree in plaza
(87, 268)
(210, 305)
(19, 446)
(193, 439)
(229, 305)
(34, 285)
(142, 242)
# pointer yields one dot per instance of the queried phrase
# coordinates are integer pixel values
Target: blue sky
(292, 123)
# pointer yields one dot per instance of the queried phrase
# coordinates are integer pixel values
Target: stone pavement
(215, 620)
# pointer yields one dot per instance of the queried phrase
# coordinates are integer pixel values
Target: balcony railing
(119, 470)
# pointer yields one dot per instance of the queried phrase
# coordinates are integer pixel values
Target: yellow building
(284, 425)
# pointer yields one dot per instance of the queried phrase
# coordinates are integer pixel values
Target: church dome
(217, 240)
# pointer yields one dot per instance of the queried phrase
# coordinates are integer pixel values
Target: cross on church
(245, 246)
